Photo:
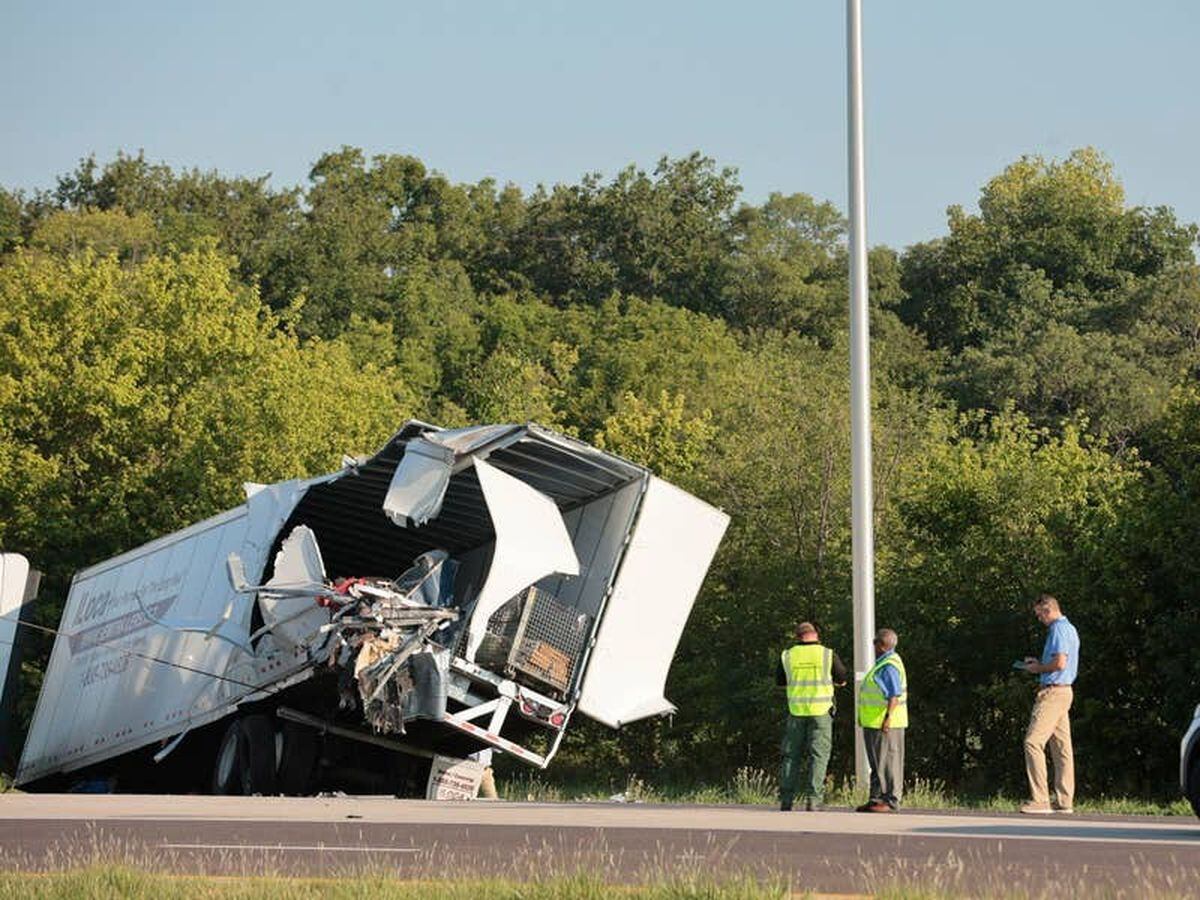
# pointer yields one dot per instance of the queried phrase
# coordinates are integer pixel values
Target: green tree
(627, 344)
(130, 237)
(991, 514)
(1149, 626)
(370, 227)
(136, 399)
(11, 215)
(1058, 296)
(251, 220)
(662, 235)
(786, 273)
(659, 435)
(777, 461)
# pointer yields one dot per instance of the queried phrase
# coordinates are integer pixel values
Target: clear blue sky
(535, 91)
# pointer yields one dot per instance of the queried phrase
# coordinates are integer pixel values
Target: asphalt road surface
(832, 851)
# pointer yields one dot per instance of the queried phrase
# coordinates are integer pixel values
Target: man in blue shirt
(1050, 721)
(883, 717)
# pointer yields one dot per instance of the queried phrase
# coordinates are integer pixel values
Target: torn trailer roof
(460, 589)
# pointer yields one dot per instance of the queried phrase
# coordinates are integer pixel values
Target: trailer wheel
(258, 755)
(227, 768)
(245, 762)
(297, 756)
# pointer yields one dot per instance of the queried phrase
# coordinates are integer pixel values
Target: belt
(1042, 687)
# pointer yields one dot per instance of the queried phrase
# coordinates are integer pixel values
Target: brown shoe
(880, 807)
(1037, 809)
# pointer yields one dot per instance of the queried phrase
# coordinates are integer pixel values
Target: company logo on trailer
(156, 596)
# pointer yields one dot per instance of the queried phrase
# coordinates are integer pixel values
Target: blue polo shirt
(1062, 638)
(888, 678)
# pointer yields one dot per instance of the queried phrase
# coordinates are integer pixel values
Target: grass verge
(756, 787)
(951, 879)
(112, 881)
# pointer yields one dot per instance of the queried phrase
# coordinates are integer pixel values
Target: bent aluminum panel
(419, 483)
(14, 592)
(531, 543)
(18, 588)
(418, 486)
(292, 619)
(673, 543)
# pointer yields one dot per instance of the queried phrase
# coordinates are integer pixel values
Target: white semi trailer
(458, 590)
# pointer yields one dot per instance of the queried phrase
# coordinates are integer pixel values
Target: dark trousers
(807, 741)
(885, 753)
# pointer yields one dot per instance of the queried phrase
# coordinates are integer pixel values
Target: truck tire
(227, 767)
(245, 762)
(297, 757)
(258, 755)
(1193, 785)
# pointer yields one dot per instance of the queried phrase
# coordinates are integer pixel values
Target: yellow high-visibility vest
(872, 704)
(809, 669)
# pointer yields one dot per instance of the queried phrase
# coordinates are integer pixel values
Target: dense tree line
(166, 335)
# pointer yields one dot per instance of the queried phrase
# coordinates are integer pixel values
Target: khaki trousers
(1050, 723)
(487, 785)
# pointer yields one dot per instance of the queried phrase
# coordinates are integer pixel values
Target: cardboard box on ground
(454, 779)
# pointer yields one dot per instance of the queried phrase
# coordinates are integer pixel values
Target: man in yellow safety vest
(883, 717)
(810, 671)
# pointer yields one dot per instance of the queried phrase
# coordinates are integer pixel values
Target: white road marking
(322, 847)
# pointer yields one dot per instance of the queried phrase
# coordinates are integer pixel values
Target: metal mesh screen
(502, 627)
(534, 640)
(548, 644)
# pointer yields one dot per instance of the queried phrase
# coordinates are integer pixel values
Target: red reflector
(557, 719)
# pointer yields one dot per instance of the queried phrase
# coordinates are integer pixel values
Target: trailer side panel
(116, 680)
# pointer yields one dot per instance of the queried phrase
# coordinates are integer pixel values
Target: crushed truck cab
(460, 589)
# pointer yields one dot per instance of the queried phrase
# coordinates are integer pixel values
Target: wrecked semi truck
(457, 591)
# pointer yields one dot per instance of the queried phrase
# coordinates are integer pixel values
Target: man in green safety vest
(809, 671)
(883, 717)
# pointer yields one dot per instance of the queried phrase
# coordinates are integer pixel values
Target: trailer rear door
(672, 545)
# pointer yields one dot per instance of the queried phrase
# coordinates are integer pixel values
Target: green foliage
(1053, 242)
(663, 235)
(658, 435)
(112, 231)
(134, 398)
(1150, 568)
(370, 228)
(786, 271)
(11, 215)
(993, 514)
(629, 345)
(1059, 297)
(248, 219)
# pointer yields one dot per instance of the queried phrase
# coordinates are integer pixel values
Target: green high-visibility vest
(872, 704)
(809, 669)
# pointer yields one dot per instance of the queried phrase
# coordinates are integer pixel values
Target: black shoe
(811, 805)
(785, 806)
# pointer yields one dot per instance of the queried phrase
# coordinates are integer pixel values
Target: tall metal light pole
(861, 501)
